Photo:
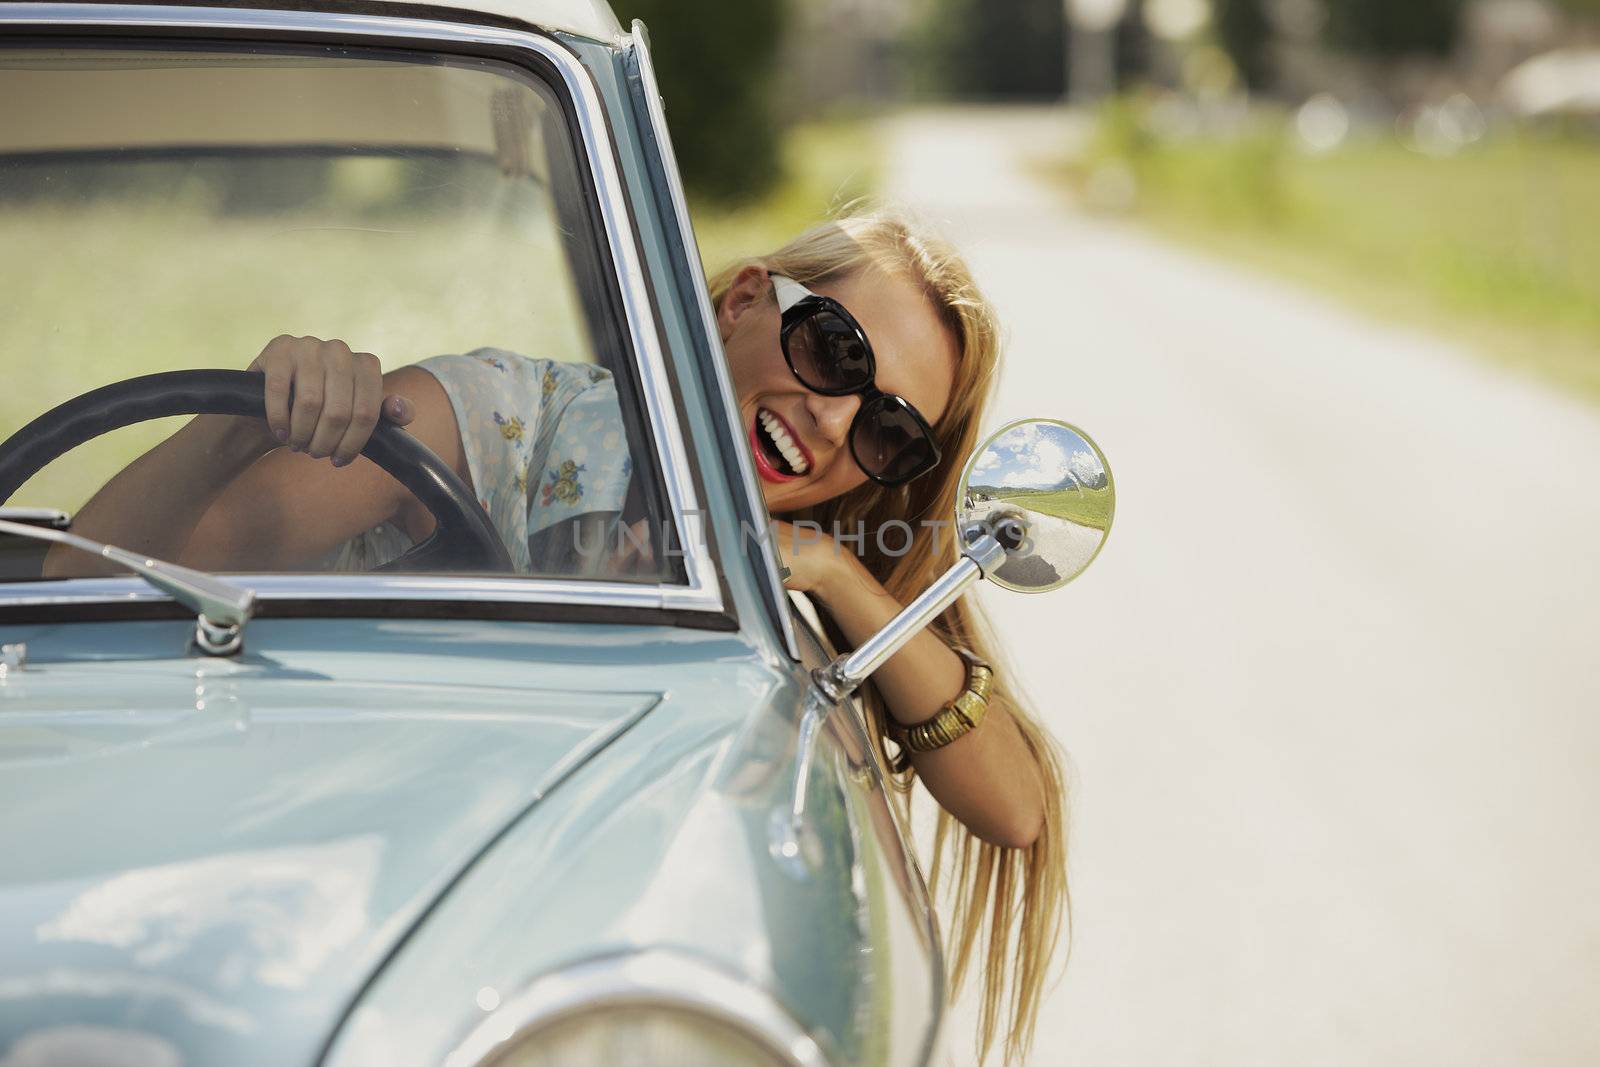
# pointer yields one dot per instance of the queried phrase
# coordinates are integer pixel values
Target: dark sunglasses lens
(890, 444)
(828, 355)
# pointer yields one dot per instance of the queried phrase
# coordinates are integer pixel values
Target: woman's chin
(775, 497)
(785, 498)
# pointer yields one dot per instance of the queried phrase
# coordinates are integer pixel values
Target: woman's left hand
(815, 561)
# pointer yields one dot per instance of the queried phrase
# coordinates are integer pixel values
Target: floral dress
(545, 445)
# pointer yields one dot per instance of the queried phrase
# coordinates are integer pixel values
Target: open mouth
(779, 457)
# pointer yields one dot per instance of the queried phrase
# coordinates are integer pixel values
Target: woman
(840, 439)
(999, 849)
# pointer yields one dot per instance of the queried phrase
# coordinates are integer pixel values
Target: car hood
(203, 869)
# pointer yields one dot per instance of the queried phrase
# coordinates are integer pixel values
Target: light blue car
(430, 811)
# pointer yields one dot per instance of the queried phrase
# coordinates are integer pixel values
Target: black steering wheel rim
(464, 537)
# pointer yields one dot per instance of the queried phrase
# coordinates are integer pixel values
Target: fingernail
(337, 462)
(281, 435)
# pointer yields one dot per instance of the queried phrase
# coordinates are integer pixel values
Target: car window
(177, 209)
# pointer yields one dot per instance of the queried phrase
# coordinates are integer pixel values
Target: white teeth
(781, 438)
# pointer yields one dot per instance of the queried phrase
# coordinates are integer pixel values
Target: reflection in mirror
(1055, 479)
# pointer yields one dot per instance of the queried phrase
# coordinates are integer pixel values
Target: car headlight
(650, 1009)
(638, 1035)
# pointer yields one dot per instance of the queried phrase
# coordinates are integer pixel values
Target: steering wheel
(464, 538)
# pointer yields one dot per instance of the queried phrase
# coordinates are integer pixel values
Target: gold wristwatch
(959, 717)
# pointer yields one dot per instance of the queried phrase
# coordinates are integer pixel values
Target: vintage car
(439, 810)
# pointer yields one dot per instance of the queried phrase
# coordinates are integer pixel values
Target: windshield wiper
(222, 607)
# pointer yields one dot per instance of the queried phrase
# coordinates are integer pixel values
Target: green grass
(92, 297)
(1087, 507)
(1498, 245)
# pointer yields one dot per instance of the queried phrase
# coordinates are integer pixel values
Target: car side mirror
(1034, 510)
(1053, 479)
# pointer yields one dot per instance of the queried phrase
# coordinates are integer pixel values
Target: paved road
(1057, 546)
(1333, 688)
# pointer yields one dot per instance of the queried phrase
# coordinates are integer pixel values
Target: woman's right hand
(323, 399)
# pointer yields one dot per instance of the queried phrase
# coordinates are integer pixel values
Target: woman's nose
(833, 414)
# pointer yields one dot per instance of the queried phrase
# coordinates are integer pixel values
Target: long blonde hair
(1008, 906)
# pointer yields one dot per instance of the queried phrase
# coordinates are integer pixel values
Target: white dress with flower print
(544, 443)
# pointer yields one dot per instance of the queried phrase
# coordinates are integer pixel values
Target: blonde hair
(1008, 905)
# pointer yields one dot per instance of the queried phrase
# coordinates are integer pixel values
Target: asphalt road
(1056, 546)
(1332, 691)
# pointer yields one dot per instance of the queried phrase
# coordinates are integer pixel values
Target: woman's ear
(750, 287)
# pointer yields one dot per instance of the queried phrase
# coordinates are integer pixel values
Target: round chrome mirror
(1055, 480)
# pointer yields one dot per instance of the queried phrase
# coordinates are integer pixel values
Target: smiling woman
(912, 350)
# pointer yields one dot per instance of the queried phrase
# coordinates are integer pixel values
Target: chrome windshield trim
(744, 464)
(703, 591)
(662, 977)
(357, 587)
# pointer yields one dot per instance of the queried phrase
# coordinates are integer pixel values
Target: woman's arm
(152, 505)
(222, 494)
(987, 778)
(290, 508)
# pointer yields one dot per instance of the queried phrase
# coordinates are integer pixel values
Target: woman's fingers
(398, 409)
(366, 400)
(338, 398)
(306, 406)
(276, 361)
(323, 399)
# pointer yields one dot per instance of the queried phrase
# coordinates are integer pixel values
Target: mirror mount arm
(1068, 503)
(844, 675)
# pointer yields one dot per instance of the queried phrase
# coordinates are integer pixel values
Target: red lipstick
(764, 465)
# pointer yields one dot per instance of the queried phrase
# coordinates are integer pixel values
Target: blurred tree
(1388, 28)
(1244, 33)
(715, 61)
(991, 48)
(1132, 45)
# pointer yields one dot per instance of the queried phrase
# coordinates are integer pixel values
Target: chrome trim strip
(669, 978)
(744, 464)
(703, 593)
(356, 587)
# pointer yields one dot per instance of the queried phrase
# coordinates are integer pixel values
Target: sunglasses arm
(788, 291)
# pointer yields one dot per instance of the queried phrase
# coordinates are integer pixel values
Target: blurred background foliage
(1386, 28)
(961, 49)
(716, 62)
(769, 103)
(1433, 160)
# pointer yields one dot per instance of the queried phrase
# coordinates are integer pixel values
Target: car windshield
(177, 209)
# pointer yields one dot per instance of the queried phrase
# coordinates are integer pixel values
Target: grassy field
(1497, 245)
(1088, 507)
(92, 296)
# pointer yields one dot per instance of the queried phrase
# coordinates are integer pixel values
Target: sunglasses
(828, 352)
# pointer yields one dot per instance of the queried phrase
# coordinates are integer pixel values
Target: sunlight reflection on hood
(285, 910)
